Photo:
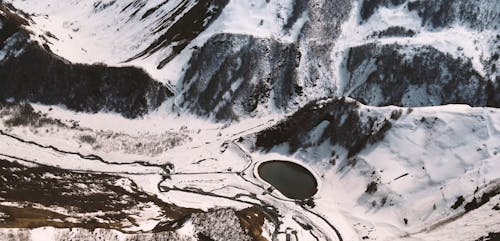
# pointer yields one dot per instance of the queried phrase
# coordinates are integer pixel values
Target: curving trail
(271, 211)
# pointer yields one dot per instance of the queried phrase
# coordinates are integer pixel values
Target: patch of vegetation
(400, 68)
(78, 193)
(202, 237)
(369, 7)
(99, 6)
(396, 114)
(394, 31)
(12, 23)
(490, 237)
(87, 139)
(497, 207)
(480, 201)
(30, 217)
(24, 115)
(346, 127)
(460, 200)
(371, 188)
(223, 52)
(37, 75)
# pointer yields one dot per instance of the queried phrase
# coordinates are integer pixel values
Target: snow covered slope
(167, 37)
(30, 71)
(392, 105)
(414, 169)
(145, 33)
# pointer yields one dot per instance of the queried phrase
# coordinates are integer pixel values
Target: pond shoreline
(291, 179)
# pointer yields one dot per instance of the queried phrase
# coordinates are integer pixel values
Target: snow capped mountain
(32, 72)
(168, 108)
(419, 166)
(170, 39)
(145, 33)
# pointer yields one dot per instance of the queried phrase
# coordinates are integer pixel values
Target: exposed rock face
(494, 93)
(39, 76)
(338, 120)
(414, 76)
(30, 72)
(179, 29)
(232, 75)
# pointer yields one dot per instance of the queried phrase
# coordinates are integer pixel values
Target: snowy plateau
(128, 120)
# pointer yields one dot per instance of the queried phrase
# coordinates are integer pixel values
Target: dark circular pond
(291, 179)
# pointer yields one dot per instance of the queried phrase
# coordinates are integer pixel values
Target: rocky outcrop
(232, 75)
(179, 29)
(414, 76)
(339, 121)
(13, 37)
(30, 72)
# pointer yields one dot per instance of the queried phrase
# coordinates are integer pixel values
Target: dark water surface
(291, 179)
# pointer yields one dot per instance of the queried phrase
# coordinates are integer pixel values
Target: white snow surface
(459, 41)
(458, 146)
(453, 151)
(86, 35)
